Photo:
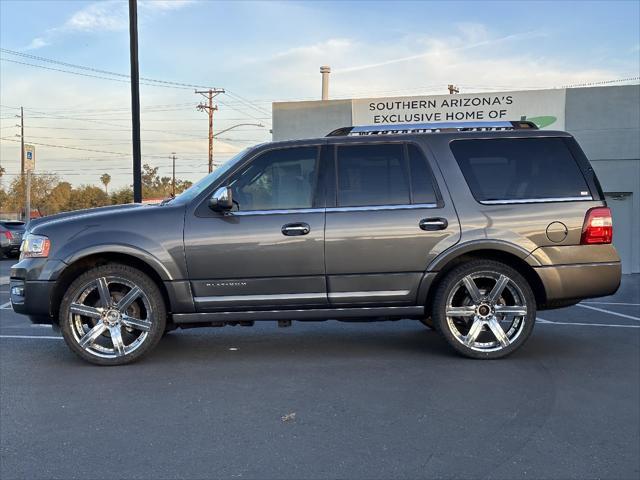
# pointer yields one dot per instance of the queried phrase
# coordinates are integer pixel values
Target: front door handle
(295, 229)
(432, 224)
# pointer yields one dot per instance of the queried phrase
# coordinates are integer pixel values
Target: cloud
(105, 16)
(439, 47)
(473, 57)
(36, 43)
(102, 16)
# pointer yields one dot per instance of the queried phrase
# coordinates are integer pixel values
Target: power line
(97, 70)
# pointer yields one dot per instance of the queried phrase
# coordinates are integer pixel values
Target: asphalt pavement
(329, 400)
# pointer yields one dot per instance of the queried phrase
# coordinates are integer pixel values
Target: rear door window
(373, 174)
(520, 169)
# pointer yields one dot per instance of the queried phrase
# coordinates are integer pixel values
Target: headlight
(35, 246)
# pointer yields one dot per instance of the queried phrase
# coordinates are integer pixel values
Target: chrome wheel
(110, 317)
(486, 311)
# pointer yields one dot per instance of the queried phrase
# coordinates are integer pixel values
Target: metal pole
(173, 182)
(135, 102)
(28, 198)
(22, 153)
(210, 131)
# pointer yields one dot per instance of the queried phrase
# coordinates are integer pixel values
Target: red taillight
(7, 234)
(598, 227)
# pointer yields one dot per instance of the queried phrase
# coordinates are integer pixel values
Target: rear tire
(484, 309)
(112, 315)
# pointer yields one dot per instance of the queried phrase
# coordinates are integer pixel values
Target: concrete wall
(606, 123)
(292, 120)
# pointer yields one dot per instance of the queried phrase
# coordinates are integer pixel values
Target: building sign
(29, 157)
(543, 107)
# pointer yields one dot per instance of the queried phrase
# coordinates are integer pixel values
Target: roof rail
(404, 128)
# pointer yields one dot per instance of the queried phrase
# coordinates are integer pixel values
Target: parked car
(11, 232)
(470, 227)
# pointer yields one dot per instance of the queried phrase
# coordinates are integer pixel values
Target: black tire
(115, 276)
(452, 327)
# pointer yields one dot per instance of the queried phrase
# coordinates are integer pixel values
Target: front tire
(112, 315)
(484, 309)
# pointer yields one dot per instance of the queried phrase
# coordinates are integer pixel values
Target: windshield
(207, 180)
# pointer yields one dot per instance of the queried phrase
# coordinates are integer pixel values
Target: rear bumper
(580, 281)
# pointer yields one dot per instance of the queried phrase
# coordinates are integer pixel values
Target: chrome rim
(486, 311)
(110, 317)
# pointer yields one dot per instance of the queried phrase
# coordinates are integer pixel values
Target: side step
(310, 314)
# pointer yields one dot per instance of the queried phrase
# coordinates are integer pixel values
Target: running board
(309, 314)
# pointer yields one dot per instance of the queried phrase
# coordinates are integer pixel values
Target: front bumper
(580, 281)
(31, 286)
(32, 298)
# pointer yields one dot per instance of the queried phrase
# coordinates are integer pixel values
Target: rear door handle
(295, 229)
(432, 224)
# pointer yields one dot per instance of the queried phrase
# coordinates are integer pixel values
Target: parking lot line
(5, 306)
(45, 337)
(631, 317)
(548, 322)
(613, 303)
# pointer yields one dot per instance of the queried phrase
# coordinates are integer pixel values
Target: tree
(87, 196)
(122, 195)
(3, 194)
(59, 198)
(105, 178)
(154, 186)
(41, 188)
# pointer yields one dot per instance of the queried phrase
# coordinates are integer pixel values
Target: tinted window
(374, 174)
(519, 169)
(422, 185)
(278, 179)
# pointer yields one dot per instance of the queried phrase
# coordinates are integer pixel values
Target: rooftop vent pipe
(325, 70)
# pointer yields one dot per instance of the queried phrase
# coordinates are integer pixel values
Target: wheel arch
(84, 263)
(509, 256)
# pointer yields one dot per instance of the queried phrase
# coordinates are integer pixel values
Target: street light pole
(135, 101)
(238, 125)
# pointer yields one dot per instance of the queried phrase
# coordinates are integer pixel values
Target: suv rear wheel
(484, 309)
(112, 315)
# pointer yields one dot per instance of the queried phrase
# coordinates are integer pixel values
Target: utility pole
(209, 107)
(26, 213)
(453, 89)
(173, 182)
(135, 101)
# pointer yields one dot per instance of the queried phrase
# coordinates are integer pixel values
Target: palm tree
(105, 178)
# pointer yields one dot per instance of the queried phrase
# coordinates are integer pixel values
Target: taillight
(7, 234)
(597, 227)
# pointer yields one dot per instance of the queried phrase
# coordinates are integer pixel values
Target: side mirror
(221, 200)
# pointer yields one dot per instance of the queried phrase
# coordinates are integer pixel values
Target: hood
(87, 213)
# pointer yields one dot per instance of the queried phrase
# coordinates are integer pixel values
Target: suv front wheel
(112, 315)
(484, 309)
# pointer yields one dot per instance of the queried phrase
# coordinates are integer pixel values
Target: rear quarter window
(520, 169)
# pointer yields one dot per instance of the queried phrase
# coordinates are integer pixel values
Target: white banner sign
(543, 107)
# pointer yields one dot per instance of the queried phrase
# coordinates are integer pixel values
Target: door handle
(432, 224)
(295, 229)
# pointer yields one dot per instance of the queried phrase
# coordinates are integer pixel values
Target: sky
(261, 52)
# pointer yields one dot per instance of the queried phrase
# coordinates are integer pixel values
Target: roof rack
(404, 128)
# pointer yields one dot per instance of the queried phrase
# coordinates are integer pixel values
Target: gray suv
(468, 227)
